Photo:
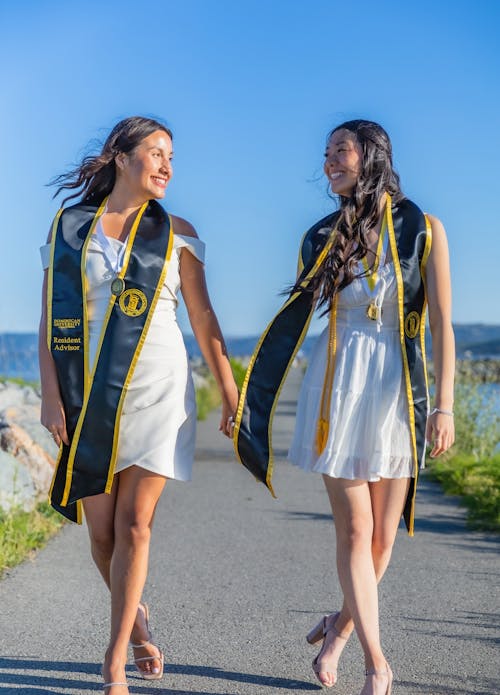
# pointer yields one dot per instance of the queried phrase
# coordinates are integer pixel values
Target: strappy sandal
(317, 634)
(149, 676)
(108, 685)
(387, 673)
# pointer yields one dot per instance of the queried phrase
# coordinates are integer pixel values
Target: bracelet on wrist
(443, 412)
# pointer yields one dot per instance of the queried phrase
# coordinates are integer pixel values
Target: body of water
(19, 351)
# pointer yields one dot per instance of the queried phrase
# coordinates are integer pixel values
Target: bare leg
(367, 517)
(100, 517)
(388, 498)
(136, 499)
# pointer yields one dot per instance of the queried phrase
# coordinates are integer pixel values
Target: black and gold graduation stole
(410, 238)
(273, 357)
(410, 243)
(93, 395)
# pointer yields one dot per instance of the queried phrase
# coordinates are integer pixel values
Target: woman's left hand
(440, 433)
(229, 408)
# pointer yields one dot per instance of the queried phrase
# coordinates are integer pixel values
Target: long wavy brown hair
(94, 178)
(359, 212)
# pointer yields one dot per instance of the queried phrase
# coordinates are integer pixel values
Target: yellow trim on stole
(300, 262)
(154, 301)
(241, 402)
(423, 270)
(50, 278)
(406, 368)
(83, 262)
(423, 267)
(89, 379)
(50, 288)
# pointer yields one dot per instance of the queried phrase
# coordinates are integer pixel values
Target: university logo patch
(133, 302)
(412, 324)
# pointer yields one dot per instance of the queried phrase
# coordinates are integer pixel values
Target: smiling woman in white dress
(117, 391)
(362, 414)
(357, 385)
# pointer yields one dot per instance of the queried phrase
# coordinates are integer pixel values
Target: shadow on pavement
(24, 682)
(465, 627)
(472, 686)
(309, 516)
(256, 679)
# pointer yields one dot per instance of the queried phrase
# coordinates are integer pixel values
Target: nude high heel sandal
(317, 634)
(387, 673)
(144, 674)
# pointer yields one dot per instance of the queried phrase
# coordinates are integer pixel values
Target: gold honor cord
(323, 427)
(112, 300)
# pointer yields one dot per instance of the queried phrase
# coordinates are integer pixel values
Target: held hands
(53, 418)
(440, 432)
(229, 408)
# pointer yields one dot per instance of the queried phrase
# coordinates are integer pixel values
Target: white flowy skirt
(369, 435)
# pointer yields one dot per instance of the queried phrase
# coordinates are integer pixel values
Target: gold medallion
(133, 302)
(373, 312)
(117, 286)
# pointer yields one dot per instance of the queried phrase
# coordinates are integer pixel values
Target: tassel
(322, 435)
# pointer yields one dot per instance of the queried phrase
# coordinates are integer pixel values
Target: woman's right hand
(53, 418)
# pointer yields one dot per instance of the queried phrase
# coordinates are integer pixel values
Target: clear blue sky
(250, 89)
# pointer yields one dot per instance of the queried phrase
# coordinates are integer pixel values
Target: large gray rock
(27, 450)
(16, 485)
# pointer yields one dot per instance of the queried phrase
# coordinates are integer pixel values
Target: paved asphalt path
(237, 579)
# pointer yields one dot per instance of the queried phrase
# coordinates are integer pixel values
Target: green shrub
(471, 468)
(207, 397)
(239, 371)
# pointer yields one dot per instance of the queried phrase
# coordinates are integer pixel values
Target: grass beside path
(21, 533)
(477, 483)
(472, 467)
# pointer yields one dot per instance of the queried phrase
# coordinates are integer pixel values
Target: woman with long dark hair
(117, 391)
(362, 415)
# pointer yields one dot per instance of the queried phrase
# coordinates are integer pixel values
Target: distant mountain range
(19, 351)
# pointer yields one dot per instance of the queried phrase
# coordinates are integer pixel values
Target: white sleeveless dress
(369, 436)
(158, 421)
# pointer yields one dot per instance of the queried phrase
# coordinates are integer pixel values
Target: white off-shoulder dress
(158, 421)
(369, 435)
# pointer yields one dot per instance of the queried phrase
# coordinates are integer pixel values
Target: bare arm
(52, 414)
(440, 427)
(206, 327)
